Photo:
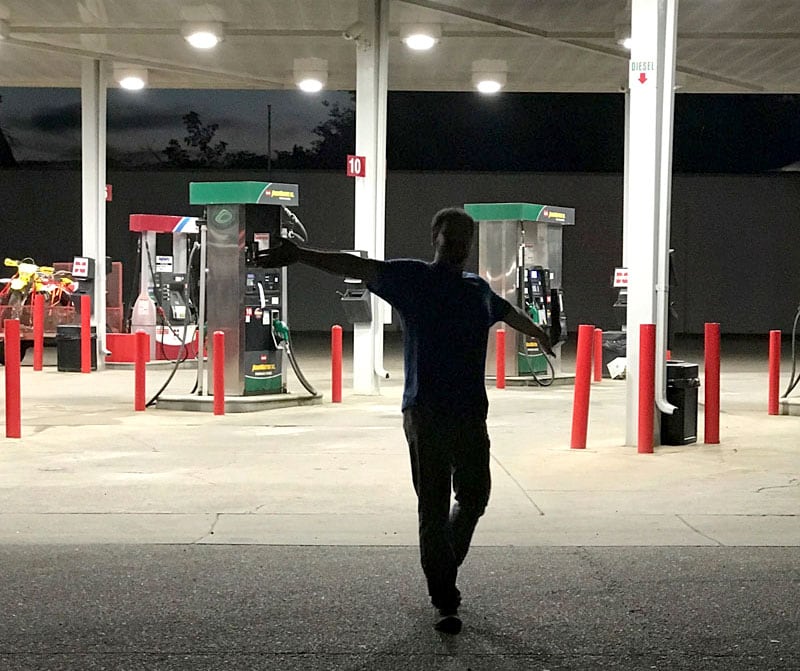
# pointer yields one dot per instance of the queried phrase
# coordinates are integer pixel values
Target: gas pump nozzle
(555, 317)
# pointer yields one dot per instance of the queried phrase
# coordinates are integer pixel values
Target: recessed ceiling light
(310, 85)
(205, 35)
(130, 77)
(310, 74)
(420, 37)
(489, 76)
(488, 86)
(132, 83)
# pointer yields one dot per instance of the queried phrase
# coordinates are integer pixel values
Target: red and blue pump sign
(161, 223)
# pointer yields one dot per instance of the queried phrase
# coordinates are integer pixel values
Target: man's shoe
(448, 622)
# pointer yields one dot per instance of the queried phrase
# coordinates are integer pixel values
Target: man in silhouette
(446, 315)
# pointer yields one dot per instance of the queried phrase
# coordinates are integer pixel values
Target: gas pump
(244, 301)
(519, 255)
(164, 308)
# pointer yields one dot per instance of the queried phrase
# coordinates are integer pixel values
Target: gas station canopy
(730, 46)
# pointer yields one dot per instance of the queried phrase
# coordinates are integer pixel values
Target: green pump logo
(223, 218)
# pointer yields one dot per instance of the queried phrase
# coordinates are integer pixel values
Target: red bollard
(38, 331)
(219, 373)
(647, 387)
(583, 381)
(336, 364)
(500, 359)
(140, 368)
(86, 334)
(597, 355)
(774, 371)
(13, 397)
(711, 436)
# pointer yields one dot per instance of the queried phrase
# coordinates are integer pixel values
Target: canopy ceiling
(724, 46)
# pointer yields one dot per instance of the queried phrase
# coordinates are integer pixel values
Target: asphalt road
(288, 608)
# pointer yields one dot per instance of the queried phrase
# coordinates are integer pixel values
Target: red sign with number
(356, 166)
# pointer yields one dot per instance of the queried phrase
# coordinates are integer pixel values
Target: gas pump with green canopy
(520, 256)
(245, 301)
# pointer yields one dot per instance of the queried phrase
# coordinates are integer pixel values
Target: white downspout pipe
(665, 186)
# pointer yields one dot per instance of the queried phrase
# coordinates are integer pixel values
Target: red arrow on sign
(642, 77)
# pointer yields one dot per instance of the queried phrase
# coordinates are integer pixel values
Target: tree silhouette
(198, 150)
(336, 138)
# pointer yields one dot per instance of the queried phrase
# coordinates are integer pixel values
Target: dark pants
(448, 455)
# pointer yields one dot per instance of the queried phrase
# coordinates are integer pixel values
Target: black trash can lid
(681, 370)
(71, 331)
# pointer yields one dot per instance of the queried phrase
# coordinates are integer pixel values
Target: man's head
(452, 231)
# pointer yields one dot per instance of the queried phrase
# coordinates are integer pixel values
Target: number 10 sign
(356, 166)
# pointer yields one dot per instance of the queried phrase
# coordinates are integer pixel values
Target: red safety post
(140, 368)
(711, 435)
(86, 334)
(597, 355)
(647, 387)
(336, 364)
(500, 359)
(219, 373)
(38, 331)
(13, 398)
(774, 371)
(583, 381)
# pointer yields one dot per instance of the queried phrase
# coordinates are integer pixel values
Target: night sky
(427, 131)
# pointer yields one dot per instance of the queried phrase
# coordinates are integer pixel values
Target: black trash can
(680, 428)
(614, 345)
(68, 348)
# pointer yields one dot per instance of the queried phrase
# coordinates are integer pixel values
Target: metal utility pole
(269, 140)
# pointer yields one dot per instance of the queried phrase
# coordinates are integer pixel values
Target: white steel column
(647, 188)
(93, 166)
(372, 57)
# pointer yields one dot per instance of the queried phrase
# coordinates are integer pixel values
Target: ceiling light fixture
(420, 37)
(622, 34)
(130, 77)
(310, 74)
(489, 76)
(202, 35)
(622, 27)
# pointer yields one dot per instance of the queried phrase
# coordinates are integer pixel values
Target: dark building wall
(737, 255)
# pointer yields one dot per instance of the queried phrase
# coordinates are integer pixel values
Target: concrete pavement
(89, 469)
(285, 539)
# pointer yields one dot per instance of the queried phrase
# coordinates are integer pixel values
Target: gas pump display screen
(535, 281)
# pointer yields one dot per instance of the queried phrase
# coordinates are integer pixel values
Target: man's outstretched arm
(336, 263)
(518, 320)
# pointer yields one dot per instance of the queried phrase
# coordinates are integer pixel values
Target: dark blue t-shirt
(446, 316)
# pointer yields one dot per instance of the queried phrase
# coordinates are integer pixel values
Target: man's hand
(284, 253)
(522, 322)
(545, 344)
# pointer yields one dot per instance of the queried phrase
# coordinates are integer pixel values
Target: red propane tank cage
(56, 315)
